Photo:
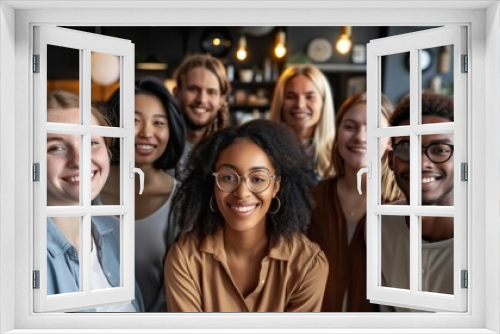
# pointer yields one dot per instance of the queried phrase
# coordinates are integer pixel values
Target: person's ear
(391, 157)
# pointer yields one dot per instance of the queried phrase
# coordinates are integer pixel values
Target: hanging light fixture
(105, 68)
(241, 53)
(344, 43)
(280, 48)
(152, 63)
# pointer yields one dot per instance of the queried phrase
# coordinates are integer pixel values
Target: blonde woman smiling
(303, 101)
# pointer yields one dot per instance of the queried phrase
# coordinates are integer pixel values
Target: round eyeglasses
(257, 181)
(438, 153)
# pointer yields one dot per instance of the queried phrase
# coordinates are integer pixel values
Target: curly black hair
(176, 127)
(191, 208)
(432, 105)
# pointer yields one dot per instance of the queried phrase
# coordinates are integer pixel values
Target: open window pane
(394, 81)
(390, 190)
(395, 250)
(429, 145)
(437, 72)
(105, 258)
(437, 256)
(62, 79)
(437, 172)
(73, 141)
(105, 76)
(60, 250)
(63, 161)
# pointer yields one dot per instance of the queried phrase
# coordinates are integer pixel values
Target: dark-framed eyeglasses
(257, 181)
(438, 153)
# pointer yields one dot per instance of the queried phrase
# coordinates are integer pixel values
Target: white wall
(7, 159)
(492, 168)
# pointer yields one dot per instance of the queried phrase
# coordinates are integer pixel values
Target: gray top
(154, 235)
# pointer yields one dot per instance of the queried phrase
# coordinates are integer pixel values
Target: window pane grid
(83, 297)
(421, 177)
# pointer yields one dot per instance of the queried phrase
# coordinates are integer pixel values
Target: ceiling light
(152, 64)
(344, 43)
(280, 48)
(241, 54)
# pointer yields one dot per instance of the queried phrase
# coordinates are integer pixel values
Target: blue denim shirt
(63, 263)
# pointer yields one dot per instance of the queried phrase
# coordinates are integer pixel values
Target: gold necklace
(351, 212)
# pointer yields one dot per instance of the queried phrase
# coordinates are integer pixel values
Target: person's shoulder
(106, 224)
(302, 249)
(398, 202)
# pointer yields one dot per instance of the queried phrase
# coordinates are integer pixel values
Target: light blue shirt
(63, 263)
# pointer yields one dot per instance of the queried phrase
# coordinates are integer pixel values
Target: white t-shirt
(153, 237)
(99, 281)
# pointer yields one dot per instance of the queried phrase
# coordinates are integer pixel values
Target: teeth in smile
(428, 179)
(145, 147)
(361, 150)
(200, 110)
(77, 177)
(243, 208)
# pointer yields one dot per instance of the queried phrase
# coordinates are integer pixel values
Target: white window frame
(413, 43)
(483, 21)
(85, 43)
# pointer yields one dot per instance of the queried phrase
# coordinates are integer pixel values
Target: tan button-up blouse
(197, 278)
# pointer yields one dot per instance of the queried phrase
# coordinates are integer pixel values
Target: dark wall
(172, 44)
(300, 37)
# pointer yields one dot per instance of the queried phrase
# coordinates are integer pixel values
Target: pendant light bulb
(280, 48)
(241, 53)
(344, 43)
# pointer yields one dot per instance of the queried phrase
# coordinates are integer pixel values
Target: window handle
(366, 170)
(141, 175)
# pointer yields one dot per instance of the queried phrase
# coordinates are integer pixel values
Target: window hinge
(465, 279)
(36, 279)
(36, 63)
(465, 64)
(464, 172)
(36, 172)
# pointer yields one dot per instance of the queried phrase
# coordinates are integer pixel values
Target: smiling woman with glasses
(244, 205)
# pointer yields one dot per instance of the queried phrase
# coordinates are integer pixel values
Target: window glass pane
(105, 76)
(437, 254)
(395, 177)
(395, 243)
(63, 250)
(395, 83)
(105, 179)
(107, 156)
(63, 76)
(63, 163)
(437, 75)
(437, 169)
(390, 191)
(105, 258)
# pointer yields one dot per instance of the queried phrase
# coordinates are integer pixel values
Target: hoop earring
(211, 205)
(278, 208)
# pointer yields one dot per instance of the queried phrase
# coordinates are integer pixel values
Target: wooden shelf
(339, 67)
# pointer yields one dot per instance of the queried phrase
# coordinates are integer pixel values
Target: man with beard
(201, 91)
(437, 190)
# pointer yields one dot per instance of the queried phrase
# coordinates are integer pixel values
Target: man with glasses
(436, 189)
